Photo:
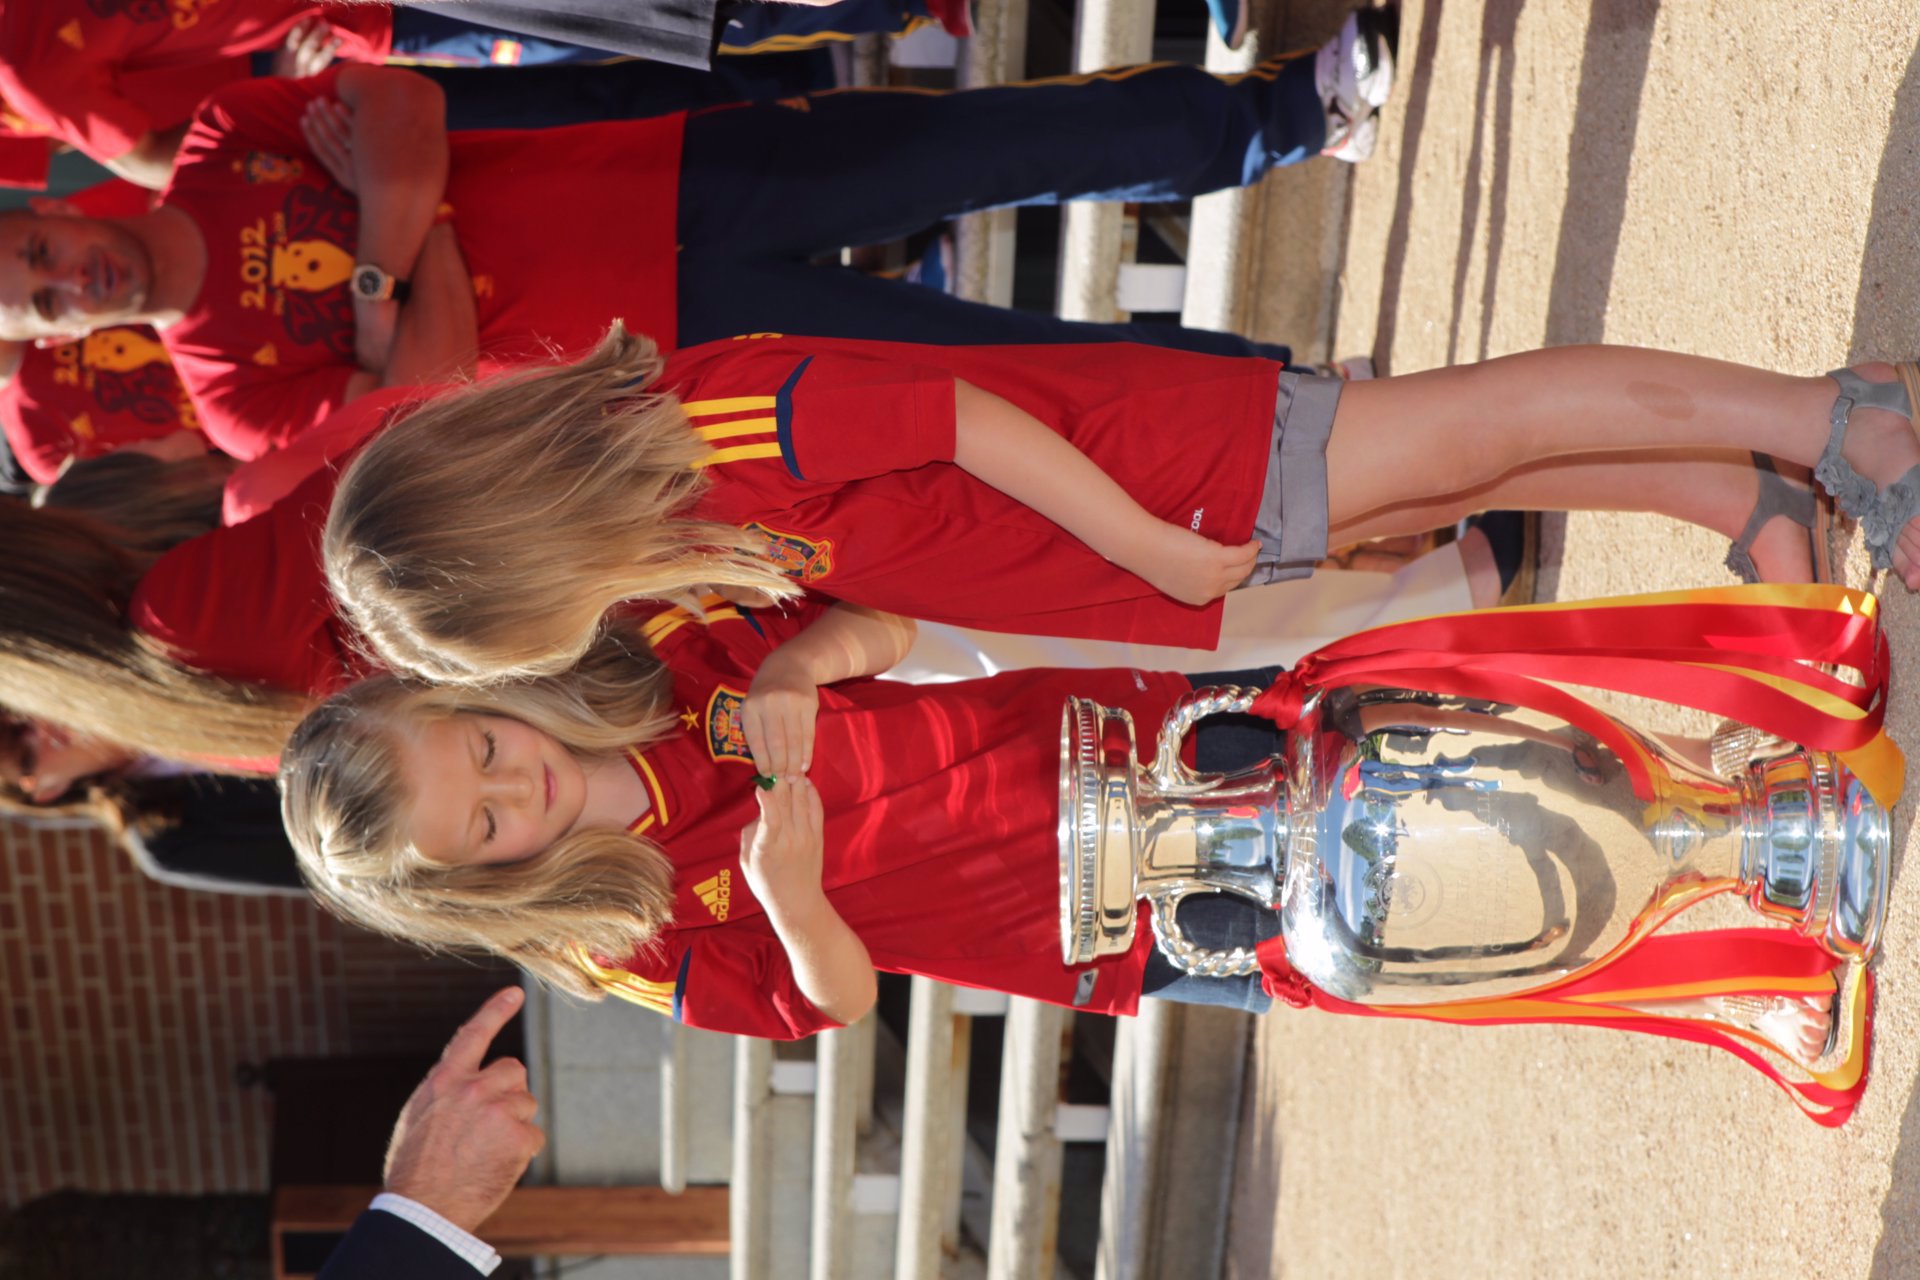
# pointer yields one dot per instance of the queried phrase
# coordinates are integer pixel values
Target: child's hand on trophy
(778, 716)
(781, 852)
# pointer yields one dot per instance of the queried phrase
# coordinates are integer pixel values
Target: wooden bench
(536, 1221)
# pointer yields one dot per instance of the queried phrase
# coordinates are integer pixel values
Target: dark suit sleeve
(676, 31)
(381, 1246)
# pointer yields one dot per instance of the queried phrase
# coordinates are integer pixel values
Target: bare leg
(1714, 488)
(1451, 431)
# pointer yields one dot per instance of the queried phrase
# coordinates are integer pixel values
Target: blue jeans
(765, 187)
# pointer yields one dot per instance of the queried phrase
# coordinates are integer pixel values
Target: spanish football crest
(269, 166)
(726, 736)
(802, 559)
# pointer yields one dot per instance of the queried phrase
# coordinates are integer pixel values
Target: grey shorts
(1291, 523)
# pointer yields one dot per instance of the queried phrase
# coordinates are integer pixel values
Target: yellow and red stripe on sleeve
(631, 987)
(738, 427)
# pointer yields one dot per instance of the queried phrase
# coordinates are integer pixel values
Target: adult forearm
(399, 161)
(150, 162)
(437, 336)
(830, 963)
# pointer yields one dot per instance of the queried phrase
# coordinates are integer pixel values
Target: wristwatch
(371, 284)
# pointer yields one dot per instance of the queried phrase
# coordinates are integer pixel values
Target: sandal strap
(1776, 498)
(1882, 513)
(1896, 504)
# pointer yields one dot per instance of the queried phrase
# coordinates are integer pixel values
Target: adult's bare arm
(384, 137)
(150, 162)
(399, 159)
(438, 335)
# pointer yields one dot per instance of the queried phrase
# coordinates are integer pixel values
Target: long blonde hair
(485, 536)
(68, 656)
(344, 801)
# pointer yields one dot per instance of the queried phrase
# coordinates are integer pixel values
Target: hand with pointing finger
(467, 1133)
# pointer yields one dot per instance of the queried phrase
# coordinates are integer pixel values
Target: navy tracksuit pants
(766, 187)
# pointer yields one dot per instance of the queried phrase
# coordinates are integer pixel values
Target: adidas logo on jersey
(717, 893)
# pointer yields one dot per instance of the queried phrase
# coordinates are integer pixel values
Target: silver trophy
(1423, 848)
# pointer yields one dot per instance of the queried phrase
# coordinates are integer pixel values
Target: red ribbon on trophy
(1744, 653)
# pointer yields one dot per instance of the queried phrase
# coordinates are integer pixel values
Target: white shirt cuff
(472, 1250)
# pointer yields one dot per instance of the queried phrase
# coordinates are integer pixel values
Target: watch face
(368, 282)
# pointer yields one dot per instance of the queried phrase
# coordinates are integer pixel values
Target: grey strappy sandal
(1779, 497)
(1882, 513)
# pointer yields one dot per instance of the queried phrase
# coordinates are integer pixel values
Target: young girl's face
(487, 789)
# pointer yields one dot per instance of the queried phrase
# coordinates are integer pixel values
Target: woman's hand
(1194, 569)
(52, 760)
(308, 49)
(778, 717)
(782, 852)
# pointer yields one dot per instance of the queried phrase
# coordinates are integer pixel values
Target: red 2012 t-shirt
(559, 242)
(99, 74)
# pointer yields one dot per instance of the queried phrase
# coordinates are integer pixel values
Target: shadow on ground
(1606, 115)
(1498, 26)
(1613, 72)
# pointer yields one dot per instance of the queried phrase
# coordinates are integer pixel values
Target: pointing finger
(469, 1043)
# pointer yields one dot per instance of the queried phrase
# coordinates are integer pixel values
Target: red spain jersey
(99, 74)
(840, 453)
(558, 242)
(941, 805)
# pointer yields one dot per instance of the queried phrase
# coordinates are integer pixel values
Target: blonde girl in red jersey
(504, 819)
(532, 841)
(487, 535)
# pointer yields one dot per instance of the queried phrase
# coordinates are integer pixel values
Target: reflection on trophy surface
(1423, 849)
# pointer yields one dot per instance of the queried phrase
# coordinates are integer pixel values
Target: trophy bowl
(1423, 848)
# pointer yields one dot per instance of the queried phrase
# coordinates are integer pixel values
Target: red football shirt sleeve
(818, 411)
(736, 978)
(849, 415)
(75, 97)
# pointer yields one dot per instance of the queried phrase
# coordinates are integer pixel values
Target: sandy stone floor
(1737, 179)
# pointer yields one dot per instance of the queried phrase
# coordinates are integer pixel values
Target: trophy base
(1820, 855)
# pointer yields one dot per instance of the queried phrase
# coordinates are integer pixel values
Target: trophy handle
(1187, 956)
(1170, 772)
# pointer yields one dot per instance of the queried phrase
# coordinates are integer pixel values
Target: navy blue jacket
(381, 1246)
